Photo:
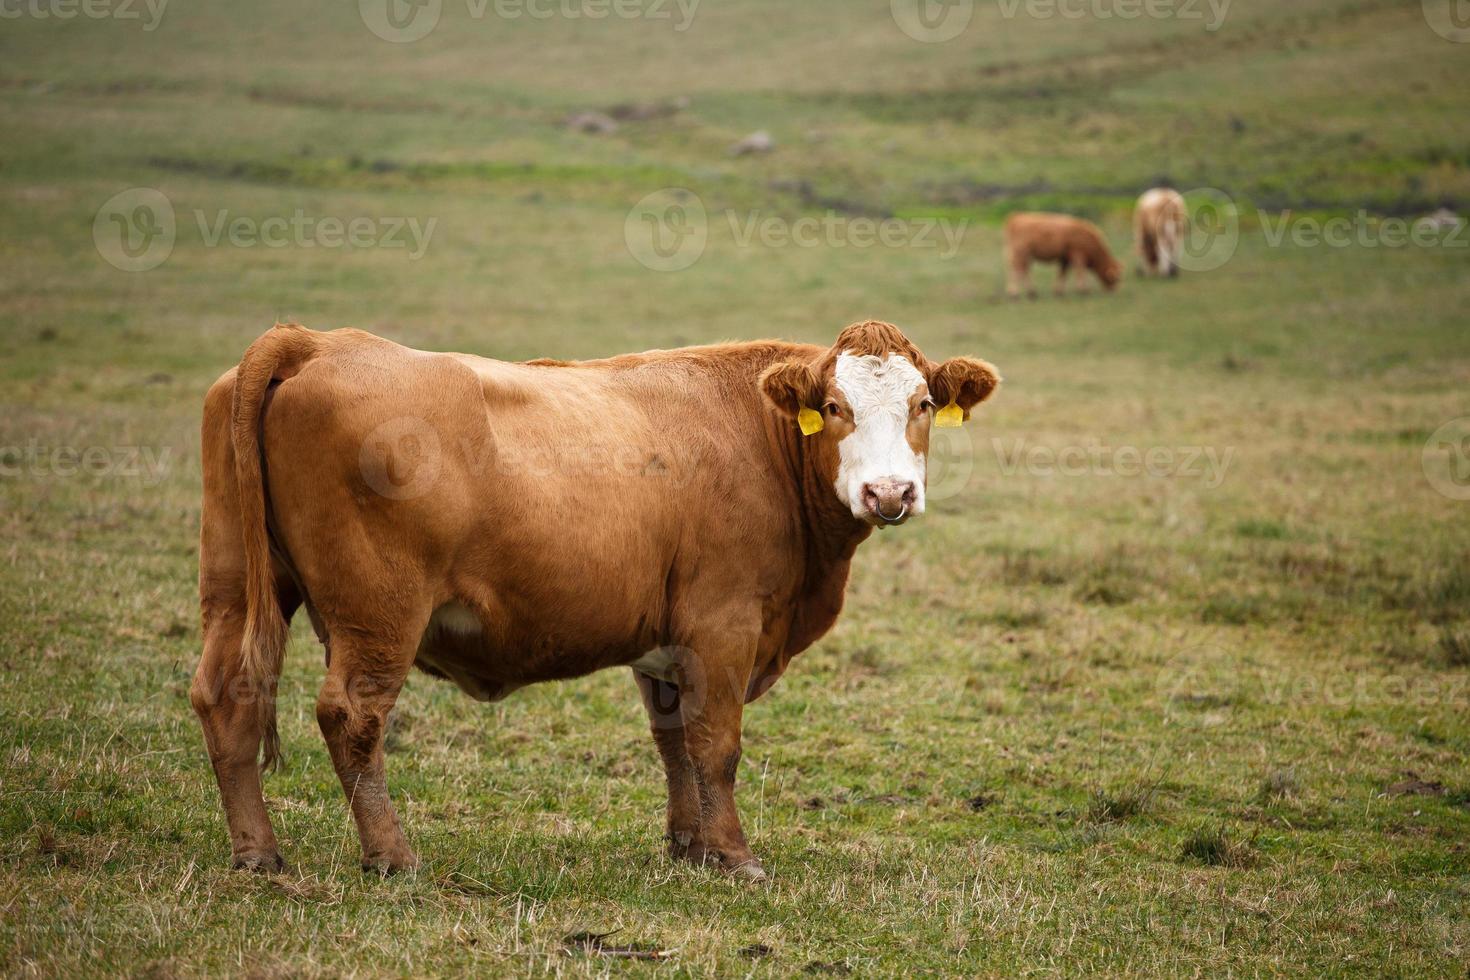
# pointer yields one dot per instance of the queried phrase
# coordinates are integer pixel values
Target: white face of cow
(880, 476)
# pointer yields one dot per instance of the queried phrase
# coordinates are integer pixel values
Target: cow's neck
(833, 534)
(830, 537)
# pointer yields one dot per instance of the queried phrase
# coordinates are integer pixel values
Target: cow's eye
(832, 410)
(925, 405)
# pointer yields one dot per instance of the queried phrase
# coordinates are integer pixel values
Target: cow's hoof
(747, 871)
(263, 862)
(390, 864)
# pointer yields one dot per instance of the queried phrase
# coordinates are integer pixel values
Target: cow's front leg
(1081, 269)
(1015, 273)
(661, 701)
(1059, 288)
(712, 699)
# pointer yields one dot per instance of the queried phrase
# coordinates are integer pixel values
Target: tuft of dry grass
(1214, 846)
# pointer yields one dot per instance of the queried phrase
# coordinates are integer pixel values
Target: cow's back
(1051, 237)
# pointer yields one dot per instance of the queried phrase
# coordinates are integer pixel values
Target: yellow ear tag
(950, 416)
(810, 421)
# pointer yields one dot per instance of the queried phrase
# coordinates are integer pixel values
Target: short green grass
(1071, 720)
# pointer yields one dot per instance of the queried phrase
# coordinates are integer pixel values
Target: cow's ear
(791, 386)
(963, 381)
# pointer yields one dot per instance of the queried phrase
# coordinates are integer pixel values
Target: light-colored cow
(1160, 221)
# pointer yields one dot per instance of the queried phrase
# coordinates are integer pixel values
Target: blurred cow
(1159, 223)
(1070, 242)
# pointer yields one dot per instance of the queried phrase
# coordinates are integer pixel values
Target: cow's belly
(487, 666)
(489, 660)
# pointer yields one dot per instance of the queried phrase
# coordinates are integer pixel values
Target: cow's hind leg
(661, 701)
(228, 709)
(1148, 254)
(366, 673)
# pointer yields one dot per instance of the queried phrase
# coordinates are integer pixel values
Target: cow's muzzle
(888, 502)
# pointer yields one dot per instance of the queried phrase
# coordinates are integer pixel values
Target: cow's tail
(276, 355)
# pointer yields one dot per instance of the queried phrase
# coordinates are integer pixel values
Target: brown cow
(1159, 223)
(1070, 242)
(502, 524)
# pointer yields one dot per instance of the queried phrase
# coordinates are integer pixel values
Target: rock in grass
(759, 141)
(596, 123)
(643, 111)
(1442, 220)
(1412, 785)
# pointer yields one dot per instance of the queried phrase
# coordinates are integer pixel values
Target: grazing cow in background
(1070, 242)
(1159, 222)
(691, 514)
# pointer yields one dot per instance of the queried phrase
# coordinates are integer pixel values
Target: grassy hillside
(1209, 717)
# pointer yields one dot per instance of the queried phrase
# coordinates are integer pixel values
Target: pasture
(1172, 678)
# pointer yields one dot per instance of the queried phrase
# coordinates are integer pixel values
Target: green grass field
(1207, 715)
